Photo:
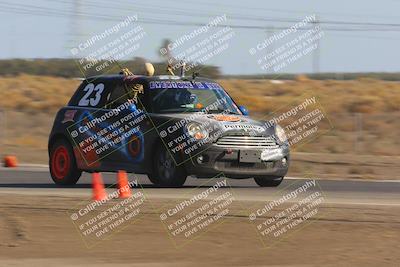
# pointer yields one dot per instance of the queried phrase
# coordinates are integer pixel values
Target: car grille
(226, 166)
(247, 141)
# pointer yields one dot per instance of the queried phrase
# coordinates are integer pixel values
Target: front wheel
(62, 164)
(268, 181)
(165, 170)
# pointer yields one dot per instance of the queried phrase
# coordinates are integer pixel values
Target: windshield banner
(183, 85)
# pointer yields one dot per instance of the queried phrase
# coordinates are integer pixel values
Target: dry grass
(364, 95)
(35, 93)
(47, 94)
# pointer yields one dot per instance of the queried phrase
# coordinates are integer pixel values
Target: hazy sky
(48, 28)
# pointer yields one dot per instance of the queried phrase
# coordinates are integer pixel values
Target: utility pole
(270, 33)
(75, 27)
(316, 54)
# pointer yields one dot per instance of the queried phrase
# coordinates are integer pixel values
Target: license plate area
(269, 164)
(250, 156)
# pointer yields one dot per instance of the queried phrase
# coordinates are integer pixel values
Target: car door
(127, 103)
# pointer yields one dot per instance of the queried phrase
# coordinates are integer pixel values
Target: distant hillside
(69, 68)
(384, 76)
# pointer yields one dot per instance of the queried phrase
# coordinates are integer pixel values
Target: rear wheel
(165, 171)
(62, 164)
(268, 181)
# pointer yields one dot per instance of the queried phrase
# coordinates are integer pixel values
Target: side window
(122, 94)
(89, 95)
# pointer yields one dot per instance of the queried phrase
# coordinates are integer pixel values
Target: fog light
(200, 159)
(284, 161)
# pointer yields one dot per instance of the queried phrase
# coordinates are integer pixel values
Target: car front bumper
(217, 160)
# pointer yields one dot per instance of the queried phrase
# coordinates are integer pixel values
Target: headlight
(280, 133)
(196, 131)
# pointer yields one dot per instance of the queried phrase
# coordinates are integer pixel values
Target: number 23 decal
(89, 89)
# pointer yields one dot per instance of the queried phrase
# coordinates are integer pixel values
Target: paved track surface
(36, 180)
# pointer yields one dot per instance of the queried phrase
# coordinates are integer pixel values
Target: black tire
(153, 179)
(165, 172)
(268, 181)
(62, 164)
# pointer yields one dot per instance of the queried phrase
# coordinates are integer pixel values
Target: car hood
(227, 123)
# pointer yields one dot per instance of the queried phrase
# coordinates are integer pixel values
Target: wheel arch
(54, 138)
(157, 142)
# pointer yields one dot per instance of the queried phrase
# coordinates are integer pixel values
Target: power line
(274, 10)
(39, 10)
(233, 16)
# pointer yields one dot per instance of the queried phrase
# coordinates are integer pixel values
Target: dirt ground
(37, 231)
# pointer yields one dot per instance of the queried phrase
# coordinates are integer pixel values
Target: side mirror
(244, 110)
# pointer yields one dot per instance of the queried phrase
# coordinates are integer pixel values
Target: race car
(167, 127)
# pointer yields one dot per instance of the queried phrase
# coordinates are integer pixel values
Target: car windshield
(179, 100)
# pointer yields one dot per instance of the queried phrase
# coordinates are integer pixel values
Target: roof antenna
(169, 69)
(183, 65)
(126, 72)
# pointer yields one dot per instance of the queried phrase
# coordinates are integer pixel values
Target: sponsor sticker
(69, 116)
(183, 85)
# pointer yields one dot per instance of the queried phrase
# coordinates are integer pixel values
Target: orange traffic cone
(99, 193)
(124, 190)
(10, 161)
